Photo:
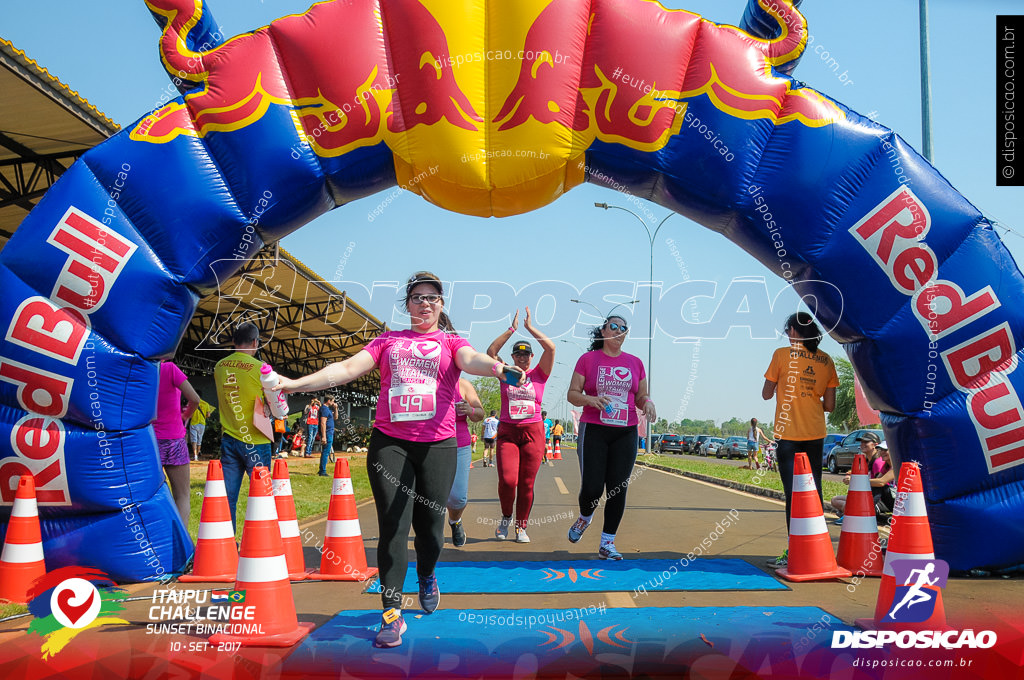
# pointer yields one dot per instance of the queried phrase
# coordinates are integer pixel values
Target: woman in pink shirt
(520, 428)
(610, 385)
(412, 454)
(169, 429)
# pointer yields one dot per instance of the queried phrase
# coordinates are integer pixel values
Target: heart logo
(426, 350)
(75, 603)
(622, 373)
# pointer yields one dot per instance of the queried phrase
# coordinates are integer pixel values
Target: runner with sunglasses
(412, 454)
(610, 385)
(521, 428)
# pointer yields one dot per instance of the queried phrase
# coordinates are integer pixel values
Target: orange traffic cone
(288, 523)
(22, 560)
(343, 557)
(557, 453)
(810, 548)
(858, 543)
(547, 449)
(263, 576)
(909, 539)
(216, 558)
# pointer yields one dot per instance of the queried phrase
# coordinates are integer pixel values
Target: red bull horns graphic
(351, 98)
(379, 86)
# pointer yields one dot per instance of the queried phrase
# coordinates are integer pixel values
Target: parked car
(831, 441)
(698, 444)
(840, 458)
(734, 447)
(712, 446)
(670, 443)
(655, 440)
(688, 441)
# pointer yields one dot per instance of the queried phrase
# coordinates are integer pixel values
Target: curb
(739, 486)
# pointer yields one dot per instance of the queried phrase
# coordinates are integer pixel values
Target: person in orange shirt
(803, 381)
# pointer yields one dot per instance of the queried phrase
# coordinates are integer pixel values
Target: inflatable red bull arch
(496, 108)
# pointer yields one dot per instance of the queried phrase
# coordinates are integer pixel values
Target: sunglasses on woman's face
(618, 327)
(419, 299)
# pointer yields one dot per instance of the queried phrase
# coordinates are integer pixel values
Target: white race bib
(412, 402)
(521, 409)
(617, 412)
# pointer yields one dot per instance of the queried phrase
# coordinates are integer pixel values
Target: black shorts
(884, 500)
(489, 441)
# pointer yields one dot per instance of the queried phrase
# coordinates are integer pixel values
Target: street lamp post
(650, 311)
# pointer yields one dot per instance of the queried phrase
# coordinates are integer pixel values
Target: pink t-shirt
(462, 436)
(419, 384)
(617, 377)
(520, 405)
(168, 423)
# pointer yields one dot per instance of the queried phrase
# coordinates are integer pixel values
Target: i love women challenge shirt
(615, 377)
(418, 384)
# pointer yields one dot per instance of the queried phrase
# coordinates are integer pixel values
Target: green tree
(490, 396)
(844, 417)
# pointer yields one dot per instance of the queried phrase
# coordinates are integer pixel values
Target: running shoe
(430, 596)
(780, 561)
(838, 521)
(458, 534)
(521, 536)
(501, 533)
(391, 628)
(608, 552)
(577, 529)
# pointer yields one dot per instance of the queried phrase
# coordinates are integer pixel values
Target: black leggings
(607, 454)
(410, 482)
(785, 456)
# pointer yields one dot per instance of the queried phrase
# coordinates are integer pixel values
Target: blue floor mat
(589, 576)
(587, 641)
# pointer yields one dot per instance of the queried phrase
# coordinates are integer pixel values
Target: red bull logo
(415, 73)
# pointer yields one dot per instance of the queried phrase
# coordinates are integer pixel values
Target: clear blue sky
(109, 55)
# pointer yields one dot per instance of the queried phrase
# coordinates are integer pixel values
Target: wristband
(494, 368)
(512, 329)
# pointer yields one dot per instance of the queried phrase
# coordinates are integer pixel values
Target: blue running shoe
(430, 596)
(577, 529)
(391, 628)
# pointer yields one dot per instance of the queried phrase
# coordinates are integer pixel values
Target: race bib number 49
(412, 402)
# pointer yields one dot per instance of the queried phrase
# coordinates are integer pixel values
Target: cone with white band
(21, 562)
(343, 557)
(269, 619)
(289, 525)
(557, 453)
(811, 557)
(909, 539)
(547, 449)
(216, 558)
(858, 543)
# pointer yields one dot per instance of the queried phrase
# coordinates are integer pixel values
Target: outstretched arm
(499, 342)
(338, 373)
(547, 359)
(477, 363)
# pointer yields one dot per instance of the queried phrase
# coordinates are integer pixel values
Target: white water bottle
(277, 401)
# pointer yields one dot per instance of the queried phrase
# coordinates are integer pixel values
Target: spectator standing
(328, 413)
(490, 434)
(312, 416)
(239, 393)
(169, 429)
(754, 436)
(197, 425)
(803, 381)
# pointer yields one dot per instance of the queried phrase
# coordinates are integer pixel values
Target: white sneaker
(521, 536)
(501, 533)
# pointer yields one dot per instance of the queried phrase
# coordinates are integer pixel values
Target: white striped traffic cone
(811, 557)
(263, 576)
(288, 523)
(216, 558)
(343, 557)
(21, 562)
(858, 543)
(909, 539)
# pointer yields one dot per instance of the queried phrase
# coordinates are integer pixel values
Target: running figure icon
(915, 594)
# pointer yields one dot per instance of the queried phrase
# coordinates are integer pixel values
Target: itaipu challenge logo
(70, 600)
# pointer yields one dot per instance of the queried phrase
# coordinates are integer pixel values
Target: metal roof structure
(305, 323)
(44, 127)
